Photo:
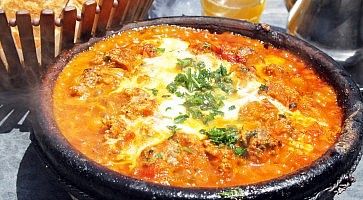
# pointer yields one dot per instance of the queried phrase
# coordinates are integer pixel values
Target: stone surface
(23, 175)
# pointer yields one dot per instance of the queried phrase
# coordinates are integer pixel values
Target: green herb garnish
(201, 88)
(203, 106)
(172, 87)
(160, 50)
(226, 136)
(263, 88)
(159, 155)
(196, 77)
(166, 96)
(233, 107)
(240, 151)
(204, 100)
(154, 91)
(180, 119)
(173, 128)
(186, 62)
(211, 116)
(168, 108)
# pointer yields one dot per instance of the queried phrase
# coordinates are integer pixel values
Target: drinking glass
(250, 10)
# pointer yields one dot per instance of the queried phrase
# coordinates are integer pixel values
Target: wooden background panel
(103, 16)
(47, 34)
(31, 65)
(12, 58)
(4, 77)
(69, 17)
(131, 9)
(140, 8)
(87, 20)
(119, 13)
(145, 12)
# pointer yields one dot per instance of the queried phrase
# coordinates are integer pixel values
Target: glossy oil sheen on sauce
(185, 107)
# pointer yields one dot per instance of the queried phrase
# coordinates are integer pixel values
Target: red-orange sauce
(85, 109)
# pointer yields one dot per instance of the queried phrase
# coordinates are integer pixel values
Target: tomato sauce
(89, 110)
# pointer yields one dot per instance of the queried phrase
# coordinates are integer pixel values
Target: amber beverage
(250, 10)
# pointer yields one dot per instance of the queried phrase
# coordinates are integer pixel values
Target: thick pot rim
(99, 181)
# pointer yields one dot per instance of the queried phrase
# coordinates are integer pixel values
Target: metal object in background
(289, 4)
(166, 8)
(334, 26)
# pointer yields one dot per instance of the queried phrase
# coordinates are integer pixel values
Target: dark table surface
(24, 176)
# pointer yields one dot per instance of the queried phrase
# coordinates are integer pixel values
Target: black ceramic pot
(323, 175)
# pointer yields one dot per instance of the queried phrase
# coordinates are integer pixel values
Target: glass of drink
(250, 10)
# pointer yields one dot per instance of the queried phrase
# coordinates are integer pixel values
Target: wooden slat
(119, 14)
(4, 77)
(103, 16)
(25, 28)
(131, 9)
(139, 9)
(69, 17)
(11, 54)
(145, 12)
(88, 17)
(47, 36)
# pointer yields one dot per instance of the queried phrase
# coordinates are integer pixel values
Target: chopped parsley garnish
(154, 91)
(168, 108)
(263, 88)
(233, 107)
(159, 155)
(205, 88)
(179, 94)
(210, 117)
(180, 119)
(204, 100)
(184, 62)
(196, 77)
(166, 96)
(240, 151)
(160, 50)
(172, 87)
(223, 80)
(173, 128)
(226, 136)
(203, 106)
